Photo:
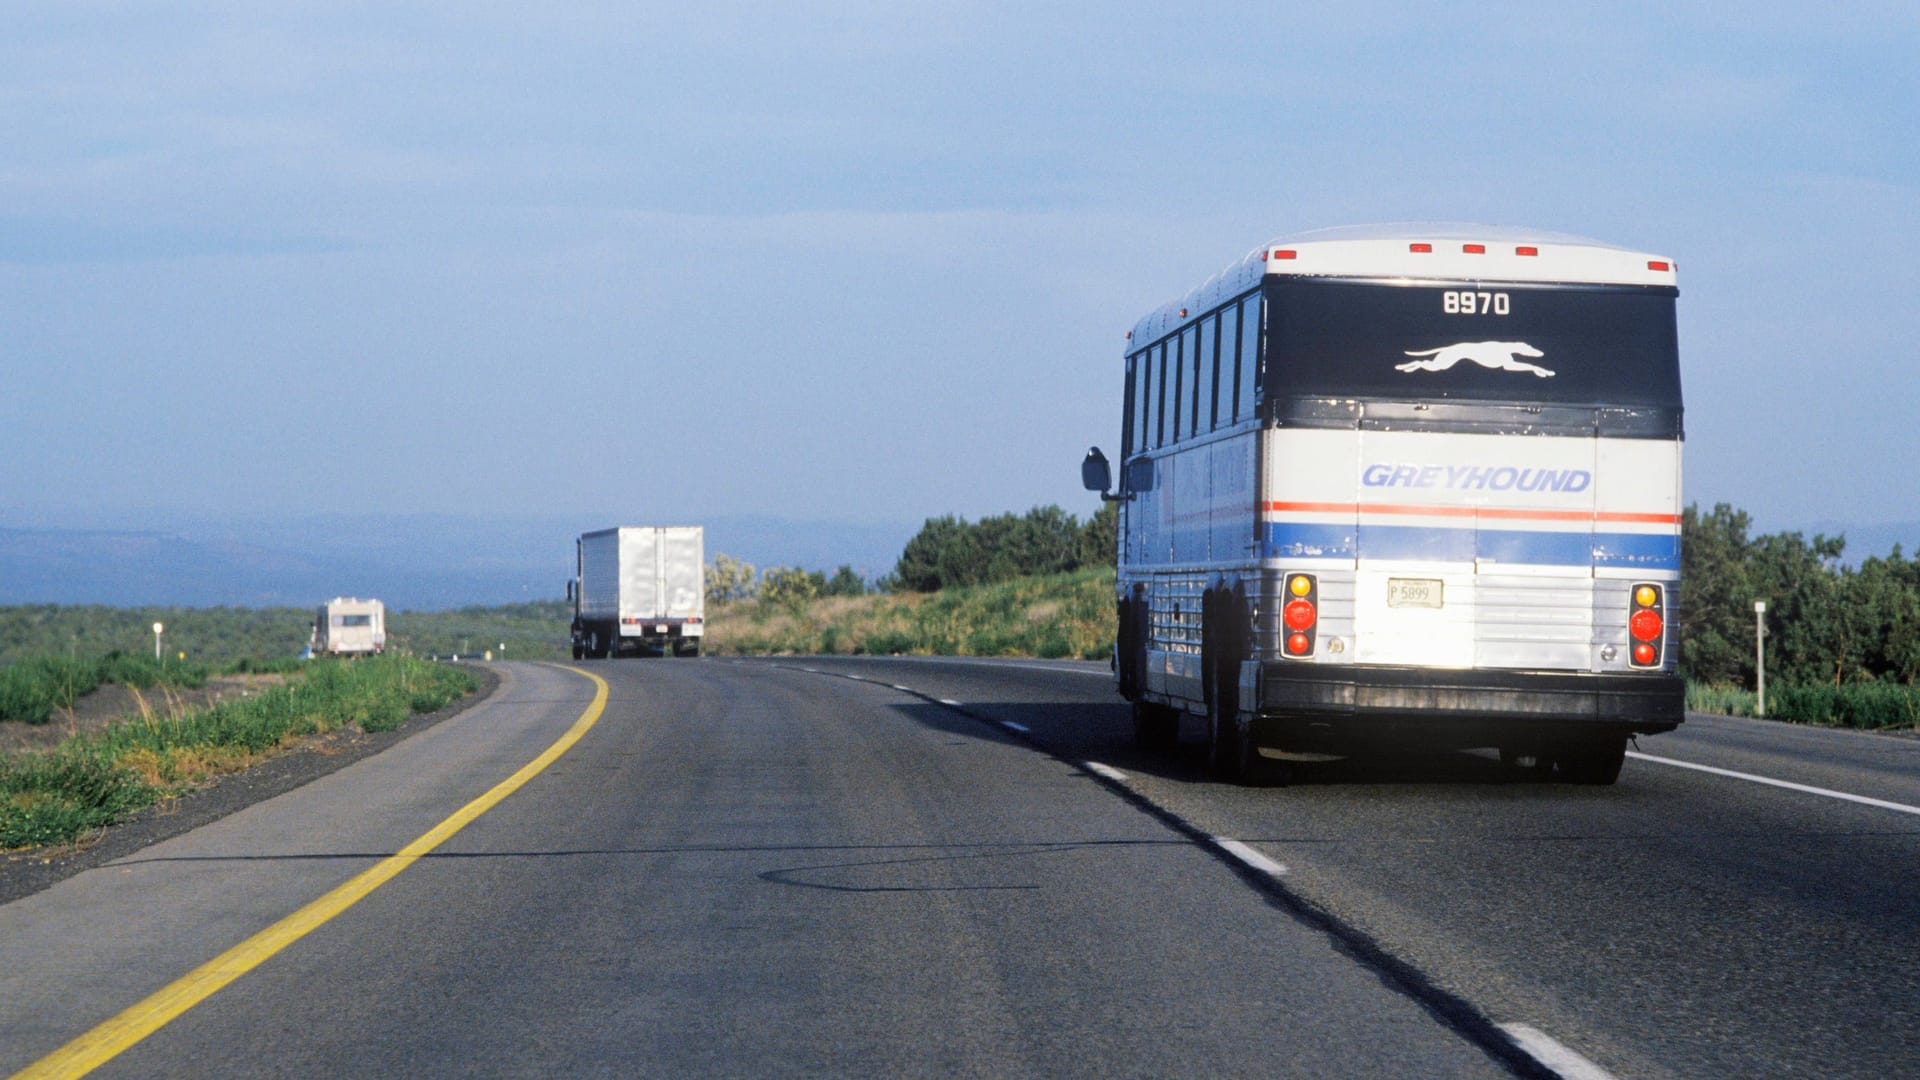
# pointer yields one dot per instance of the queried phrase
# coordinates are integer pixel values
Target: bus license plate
(1413, 592)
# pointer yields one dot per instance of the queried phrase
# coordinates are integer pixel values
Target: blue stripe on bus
(1306, 540)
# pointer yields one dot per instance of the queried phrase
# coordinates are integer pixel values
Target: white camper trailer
(347, 626)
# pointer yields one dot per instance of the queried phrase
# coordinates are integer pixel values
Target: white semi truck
(348, 626)
(639, 589)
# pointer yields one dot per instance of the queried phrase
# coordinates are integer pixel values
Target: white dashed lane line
(1549, 1051)
(1882, 804)
(1107, 771)
(1011, 726)
(1248, 855)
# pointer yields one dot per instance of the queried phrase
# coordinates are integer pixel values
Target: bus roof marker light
(1285, 253)
(1659, 264)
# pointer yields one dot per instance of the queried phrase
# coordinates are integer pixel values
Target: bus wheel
(1155, 727)
(1254, 769)
(1597, 762)
(1224, 753)
(1528, 763)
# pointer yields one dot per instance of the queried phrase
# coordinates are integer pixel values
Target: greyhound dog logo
(1493, 355)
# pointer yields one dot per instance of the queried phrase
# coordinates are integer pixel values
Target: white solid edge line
(1550, 1052)
(950, 702)
(903, 689)
(1011, 726)
(1246, 854)
(1107, 771)
(1770, 782)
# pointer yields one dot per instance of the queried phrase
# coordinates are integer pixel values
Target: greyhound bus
(1405, 488)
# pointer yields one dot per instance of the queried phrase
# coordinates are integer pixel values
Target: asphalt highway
(936, 867)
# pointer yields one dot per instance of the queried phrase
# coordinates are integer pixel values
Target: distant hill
(411, 561)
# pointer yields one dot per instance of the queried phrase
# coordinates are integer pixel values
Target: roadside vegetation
(1844, 644)
(1038, 584)
(1843, 641)
(96, 778)
(1055, 615)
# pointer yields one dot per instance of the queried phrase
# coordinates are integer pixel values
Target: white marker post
(156, 641)
(1760, 657)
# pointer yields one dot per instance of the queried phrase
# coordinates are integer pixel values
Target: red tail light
(1647, 625)
(1301, 613)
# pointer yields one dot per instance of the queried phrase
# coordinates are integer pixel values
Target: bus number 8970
(1461, 302)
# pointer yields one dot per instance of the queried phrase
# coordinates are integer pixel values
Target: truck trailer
(639, 589)
(348, 626)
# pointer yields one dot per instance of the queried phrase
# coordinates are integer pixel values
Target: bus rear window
(1472, 341)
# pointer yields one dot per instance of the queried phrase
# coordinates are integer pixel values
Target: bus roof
(1416, 251)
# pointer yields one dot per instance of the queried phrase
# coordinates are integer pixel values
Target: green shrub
(1855, 705)
(92, 780)
(58, 796)
(24, 697)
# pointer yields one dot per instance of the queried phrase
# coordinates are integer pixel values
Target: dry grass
(1059, 615)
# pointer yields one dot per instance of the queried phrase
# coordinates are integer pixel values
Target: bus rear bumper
(1322, 707)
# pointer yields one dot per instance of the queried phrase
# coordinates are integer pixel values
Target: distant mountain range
(413, 562)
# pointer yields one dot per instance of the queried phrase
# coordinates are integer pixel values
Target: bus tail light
(1646, 625)
(1300, 614)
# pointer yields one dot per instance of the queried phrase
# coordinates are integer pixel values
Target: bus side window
(1216, 324)
(1159, 396)
(1230, 354)
(1179, 381)
(1249, 357)
(1196, 348)
(1130, 427)
(1142, 410)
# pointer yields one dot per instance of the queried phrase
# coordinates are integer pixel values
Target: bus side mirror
(1096, 474)
(569, 590)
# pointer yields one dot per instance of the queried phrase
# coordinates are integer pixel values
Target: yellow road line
(103, 1043)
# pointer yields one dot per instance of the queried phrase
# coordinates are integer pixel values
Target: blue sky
(874, 261)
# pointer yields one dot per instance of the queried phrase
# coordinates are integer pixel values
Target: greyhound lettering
(1494, 355)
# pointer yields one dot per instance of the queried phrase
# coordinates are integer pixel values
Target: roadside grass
(32, 690)
(92, 780)
(1058, 615)
(1866, 705)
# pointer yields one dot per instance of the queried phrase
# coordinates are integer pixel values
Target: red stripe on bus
(1470, 512)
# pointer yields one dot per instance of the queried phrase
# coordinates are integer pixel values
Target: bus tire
(1224, 754)
(1526, 763)
(1155, 727)
(1254, 769)
(1597, 762)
